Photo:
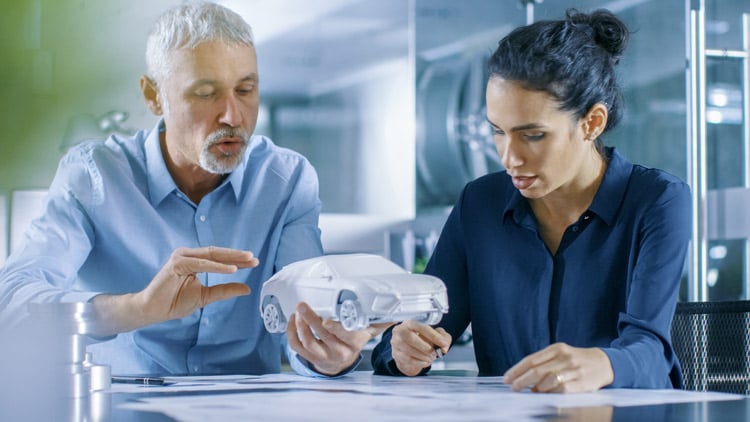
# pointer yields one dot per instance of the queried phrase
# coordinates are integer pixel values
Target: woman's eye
(534, 136)
(496, 131)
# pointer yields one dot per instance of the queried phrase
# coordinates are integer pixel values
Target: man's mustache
(216, 136)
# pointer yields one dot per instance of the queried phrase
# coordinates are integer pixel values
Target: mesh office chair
(712, 341)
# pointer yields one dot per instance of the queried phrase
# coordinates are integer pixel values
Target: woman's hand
(413, 346)
(560, 368)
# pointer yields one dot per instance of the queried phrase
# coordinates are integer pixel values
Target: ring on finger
(559, 378)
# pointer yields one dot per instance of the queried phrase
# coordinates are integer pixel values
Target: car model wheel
(350, 315)
(433, 318)
(273, 318)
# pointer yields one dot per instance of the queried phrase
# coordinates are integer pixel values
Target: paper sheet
(367, 397)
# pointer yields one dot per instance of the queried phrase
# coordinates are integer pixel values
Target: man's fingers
(294, 340)
(353, 340)
(313, 320)
(378, 328)
(299, 343)
(182, 266)
(224, 291)
(227, 256)
(326, 357)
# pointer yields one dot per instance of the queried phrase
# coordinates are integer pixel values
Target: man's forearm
(117, 314)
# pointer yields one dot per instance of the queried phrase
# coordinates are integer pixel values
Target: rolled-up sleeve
(44, 265)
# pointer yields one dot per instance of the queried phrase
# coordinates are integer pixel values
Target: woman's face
(542, 148)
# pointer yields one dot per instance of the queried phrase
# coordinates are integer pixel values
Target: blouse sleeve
(642, 352)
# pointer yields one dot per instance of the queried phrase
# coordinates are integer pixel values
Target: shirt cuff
(622, 368)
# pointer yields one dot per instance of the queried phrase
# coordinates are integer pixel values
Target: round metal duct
(454, 141)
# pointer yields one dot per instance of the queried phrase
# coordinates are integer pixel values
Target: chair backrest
(712, 342)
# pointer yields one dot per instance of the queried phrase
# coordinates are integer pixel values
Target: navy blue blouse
(612, 284)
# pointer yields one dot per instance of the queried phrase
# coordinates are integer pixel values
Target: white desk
(362, 396)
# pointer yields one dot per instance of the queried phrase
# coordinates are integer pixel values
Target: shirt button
(575, 228)
(203, 218)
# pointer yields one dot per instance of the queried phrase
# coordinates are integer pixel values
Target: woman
(568, 263)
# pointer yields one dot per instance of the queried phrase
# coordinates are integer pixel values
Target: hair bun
(609, 32)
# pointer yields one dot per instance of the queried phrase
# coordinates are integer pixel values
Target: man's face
(210, 105)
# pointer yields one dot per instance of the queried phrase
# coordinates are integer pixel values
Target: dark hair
(572, 59)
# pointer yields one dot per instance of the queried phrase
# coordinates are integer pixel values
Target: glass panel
(724, 138)
(725, 154)
(451, 145)
(725, 269)
(652, 73)
(454, 145)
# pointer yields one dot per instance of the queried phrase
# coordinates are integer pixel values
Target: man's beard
(224, 163)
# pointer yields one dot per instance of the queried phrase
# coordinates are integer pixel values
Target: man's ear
(595, 121)
(151, 95)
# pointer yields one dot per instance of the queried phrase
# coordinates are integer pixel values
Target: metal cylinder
(62, 328)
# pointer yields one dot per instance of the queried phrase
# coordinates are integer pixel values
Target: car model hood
(407, 284)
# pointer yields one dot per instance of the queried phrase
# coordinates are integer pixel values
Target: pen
(439, 352)
(139, 380)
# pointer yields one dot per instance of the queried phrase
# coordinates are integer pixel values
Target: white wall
(3, 228)
(25, 206)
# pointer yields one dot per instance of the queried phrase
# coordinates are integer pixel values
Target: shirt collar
(606, 201)
(518, 208)
(160, 181)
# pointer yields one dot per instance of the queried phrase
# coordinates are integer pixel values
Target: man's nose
(231, 115)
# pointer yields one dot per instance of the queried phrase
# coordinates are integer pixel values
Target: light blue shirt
(113, 217)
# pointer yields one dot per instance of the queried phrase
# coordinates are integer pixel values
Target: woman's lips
(523, 182)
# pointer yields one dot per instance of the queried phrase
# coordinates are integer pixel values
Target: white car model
(354, 289)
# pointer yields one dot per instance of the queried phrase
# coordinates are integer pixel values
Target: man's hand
(560, 368)
(335, 348)
(413, 346)
(175, 291)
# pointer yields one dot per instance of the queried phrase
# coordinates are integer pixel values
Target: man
(167, 232)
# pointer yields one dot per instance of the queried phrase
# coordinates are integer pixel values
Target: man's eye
(205, 93)
(245, 90)
(496, 131)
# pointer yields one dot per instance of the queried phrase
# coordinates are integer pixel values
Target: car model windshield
(366, 265)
